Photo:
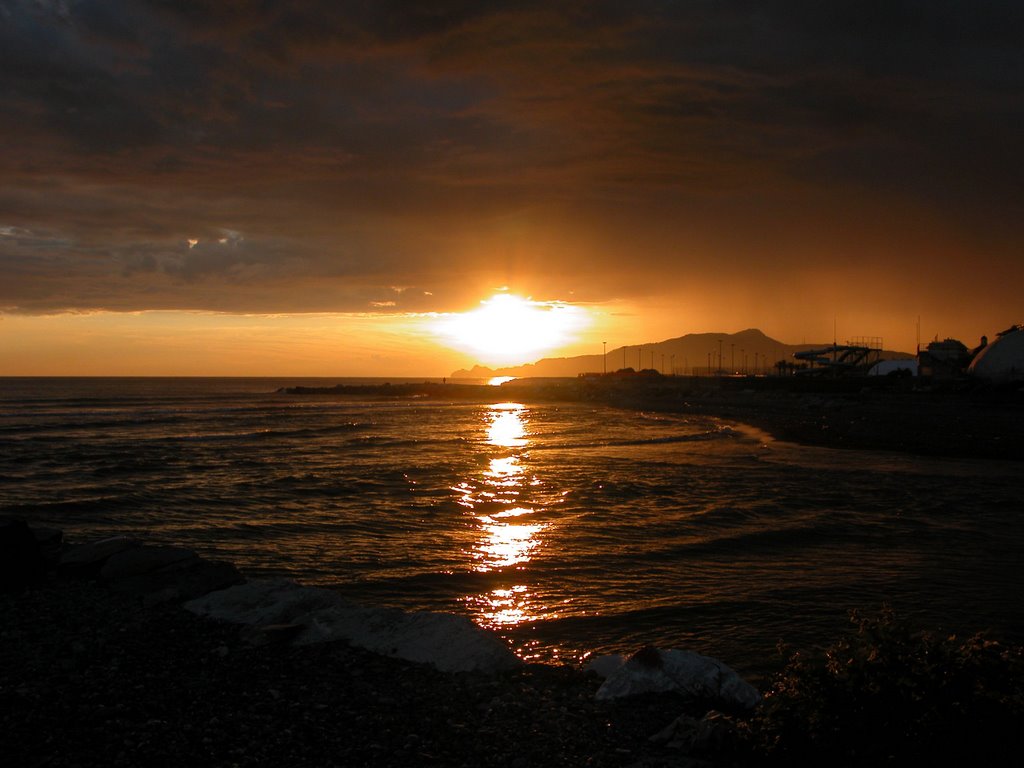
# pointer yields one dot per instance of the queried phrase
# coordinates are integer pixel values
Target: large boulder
(21, 561)
(450, 643)
(155, 573)
(51, 544)
(180, 580)
(695, 677)
(86, 560)
(162, 573)
(265, 601)
(604, 666)
(137, 561)
(192, 579)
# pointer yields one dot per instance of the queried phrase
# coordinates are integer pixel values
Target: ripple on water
(566, 528)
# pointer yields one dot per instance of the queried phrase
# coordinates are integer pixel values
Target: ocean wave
(656, 528)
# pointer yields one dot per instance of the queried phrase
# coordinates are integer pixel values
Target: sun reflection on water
(505, 469)
(507, 428)
(508, 533)
(506, 544)
(508, 607)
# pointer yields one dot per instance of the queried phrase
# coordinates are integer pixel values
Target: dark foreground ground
(91, 679)
(930, 425)
(960, 419)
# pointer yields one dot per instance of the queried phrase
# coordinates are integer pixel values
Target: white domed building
(1003, 359)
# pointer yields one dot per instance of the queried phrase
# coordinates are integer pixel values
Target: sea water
(567, 528)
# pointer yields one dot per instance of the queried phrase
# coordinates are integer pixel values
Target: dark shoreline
(926, 424)
(951, 419)
(91, 680)
(90, 676)
(101, 665)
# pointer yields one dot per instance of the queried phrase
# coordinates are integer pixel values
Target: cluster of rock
(282, 611)
(154, 573)
(276, 611)
(275, 608)
(700, 680)
(696, 677)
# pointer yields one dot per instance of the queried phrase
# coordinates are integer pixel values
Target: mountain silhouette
(749, 351)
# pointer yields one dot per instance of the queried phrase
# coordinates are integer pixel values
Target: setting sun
(508, 328)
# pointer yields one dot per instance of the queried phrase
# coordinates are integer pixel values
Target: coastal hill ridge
(749, 351)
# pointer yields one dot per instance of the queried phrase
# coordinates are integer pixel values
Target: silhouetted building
(854, 358)
(943, 359)
(1003, 359)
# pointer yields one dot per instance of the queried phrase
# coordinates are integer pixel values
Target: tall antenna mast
(835, 342)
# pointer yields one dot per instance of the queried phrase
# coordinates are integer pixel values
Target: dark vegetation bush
(891, 695)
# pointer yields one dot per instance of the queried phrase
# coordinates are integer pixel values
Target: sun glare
(508, 328)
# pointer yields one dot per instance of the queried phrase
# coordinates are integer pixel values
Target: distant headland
(695, 354)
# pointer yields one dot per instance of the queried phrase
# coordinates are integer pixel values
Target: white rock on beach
(265, 601)
(95, 553)
(684, 672)
(451, 643)
(135, 561)
(604, 666)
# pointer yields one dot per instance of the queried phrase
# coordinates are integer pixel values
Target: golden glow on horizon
(399, 344)
(180, 343)
(510, 329)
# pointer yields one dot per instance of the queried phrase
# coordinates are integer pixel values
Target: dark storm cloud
(353, 145)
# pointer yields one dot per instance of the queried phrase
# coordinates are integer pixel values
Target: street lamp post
(604, 358)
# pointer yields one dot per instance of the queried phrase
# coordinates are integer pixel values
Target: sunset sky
(316, 188)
